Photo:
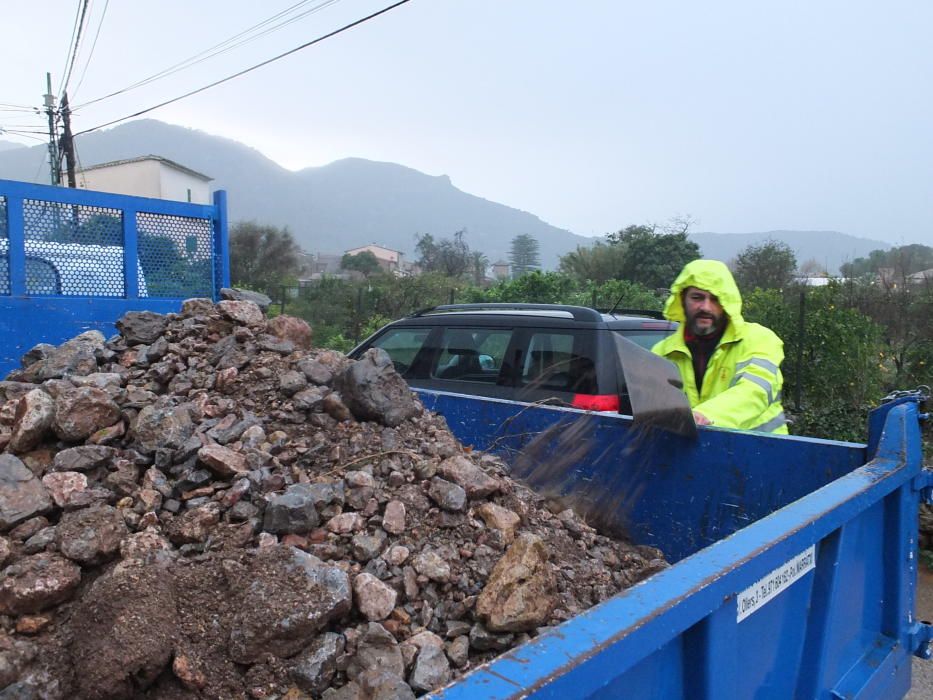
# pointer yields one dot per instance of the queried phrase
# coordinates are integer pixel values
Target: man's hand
(700, 419)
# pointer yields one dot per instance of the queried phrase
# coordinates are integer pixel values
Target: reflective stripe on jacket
(742, 384)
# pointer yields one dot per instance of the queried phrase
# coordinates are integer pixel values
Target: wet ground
(922, 687)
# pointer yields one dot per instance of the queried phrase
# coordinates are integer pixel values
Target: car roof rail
(650, 313)
(579, 313)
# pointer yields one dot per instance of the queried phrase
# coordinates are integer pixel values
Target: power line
(251, 68)
(100, 24)
(218, 49)
(4, 104)
(74, 50)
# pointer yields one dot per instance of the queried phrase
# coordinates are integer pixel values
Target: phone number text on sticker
(766, 588)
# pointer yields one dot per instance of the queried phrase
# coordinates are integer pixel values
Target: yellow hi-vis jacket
(742, 384)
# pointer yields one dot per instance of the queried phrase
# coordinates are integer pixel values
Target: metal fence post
(221, 243)
(130, 253)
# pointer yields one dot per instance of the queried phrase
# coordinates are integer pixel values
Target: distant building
(388, 259)
(500, 270)
(922, 277)
(148, 176)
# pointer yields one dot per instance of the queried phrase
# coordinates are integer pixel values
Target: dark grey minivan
(549, 353)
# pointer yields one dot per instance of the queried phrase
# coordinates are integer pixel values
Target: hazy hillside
(331, 208)
(829, 248)
(354, 201)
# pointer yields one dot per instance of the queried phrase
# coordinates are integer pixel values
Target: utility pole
(54, 162)
(68, 144)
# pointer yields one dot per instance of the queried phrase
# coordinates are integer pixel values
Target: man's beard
(703, 331)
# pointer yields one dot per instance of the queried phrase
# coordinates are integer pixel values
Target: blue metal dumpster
(794, 559)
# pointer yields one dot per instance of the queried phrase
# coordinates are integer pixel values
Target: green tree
(893, 266)
(261, 256)
(524, 255)
(653, 258)
(768, 265)
(451, 257)
(597, 263)
(365, 262)
(478, 262)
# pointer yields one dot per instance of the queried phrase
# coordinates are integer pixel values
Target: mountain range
(353, 202)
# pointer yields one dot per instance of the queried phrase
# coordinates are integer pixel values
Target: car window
(402, 344)
(646, 339)
(558, 360)
(471, 354)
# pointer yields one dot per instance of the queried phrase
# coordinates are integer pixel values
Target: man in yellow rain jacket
(731, 367)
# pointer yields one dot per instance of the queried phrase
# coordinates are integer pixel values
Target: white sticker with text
(764, 590)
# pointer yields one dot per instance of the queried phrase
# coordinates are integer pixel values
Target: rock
(397, 555)
(499, 518)
(36, 583)
(333, 405)
(461, 471)
(131, 609)
(63, 485)
(184, 670)
(36, 353)
(22, 495)
(292, 329)
(4, 550)
(76, 356)
(432, 565)
(99, 380)
(162, 426)
(365, 547)
(223, 461)
(292, 512)
(346, 523)
(373, 390)
(244, 313)
(520, 592)
(393, 519)
(425, 638)
(194, 525)
(377, 651)
(309, 399)
(83, 411)
(378, 684)
(374, 599)
(458, 651)
(40, 541)
(141, 327)
(273, 344)
(91, 535)
(32, 420)
(261, 300)
(316, 372)
(197, 306)
(83, 458)
(482, 639)
(292, 382)
(447, 495)
(140, 545)
(431, 669)
(314, 668)
(291, 596)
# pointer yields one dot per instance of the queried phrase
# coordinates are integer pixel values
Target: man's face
(703, 311)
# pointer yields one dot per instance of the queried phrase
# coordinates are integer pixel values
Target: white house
(148, 176)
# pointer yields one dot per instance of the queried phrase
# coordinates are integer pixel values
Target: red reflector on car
(596, 402)
(663, 325)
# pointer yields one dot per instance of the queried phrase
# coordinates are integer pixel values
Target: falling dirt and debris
(204, 506)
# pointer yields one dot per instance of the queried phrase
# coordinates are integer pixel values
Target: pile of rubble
(205, 507)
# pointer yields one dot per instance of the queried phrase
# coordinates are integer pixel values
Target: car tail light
(596, 402)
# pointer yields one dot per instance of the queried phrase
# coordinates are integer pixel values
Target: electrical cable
(217, 49)
(26, 107)
(251, 68)
(76, 35)
(100, 24)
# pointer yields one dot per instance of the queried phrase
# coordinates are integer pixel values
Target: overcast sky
(595, 114)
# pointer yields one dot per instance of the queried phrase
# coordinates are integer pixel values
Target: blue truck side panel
(842, 629)
(165, 252)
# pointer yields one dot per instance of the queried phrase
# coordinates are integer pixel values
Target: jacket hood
(712, 276)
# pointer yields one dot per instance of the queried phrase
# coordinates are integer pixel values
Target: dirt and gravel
(204, 506)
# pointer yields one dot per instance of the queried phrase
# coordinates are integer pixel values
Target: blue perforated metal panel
(176, 254)
(72, 249)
